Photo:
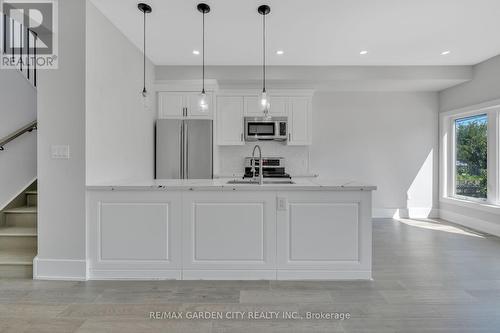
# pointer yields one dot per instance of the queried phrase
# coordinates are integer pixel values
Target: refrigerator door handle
(185, 149)
(182, 152)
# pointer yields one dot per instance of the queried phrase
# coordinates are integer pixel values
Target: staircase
(18, 235)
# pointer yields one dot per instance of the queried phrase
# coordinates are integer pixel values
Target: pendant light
(264, 99)
(145, 9)
(203, 102)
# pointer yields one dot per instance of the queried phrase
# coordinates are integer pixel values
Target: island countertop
(221, 184)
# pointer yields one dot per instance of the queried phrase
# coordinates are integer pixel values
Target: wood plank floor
(428, 277)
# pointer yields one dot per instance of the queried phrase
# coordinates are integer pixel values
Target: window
(471, 157)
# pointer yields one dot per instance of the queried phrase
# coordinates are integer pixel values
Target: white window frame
(448, 157)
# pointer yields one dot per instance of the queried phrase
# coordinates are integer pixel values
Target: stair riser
(21, 220)
(18, 242)
(16, 271)
(31, 200)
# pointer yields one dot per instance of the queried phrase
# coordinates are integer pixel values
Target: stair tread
(21, 210)
(17, 257)
(31, 192)
(17, 231)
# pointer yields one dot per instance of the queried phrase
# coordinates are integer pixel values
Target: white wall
(61, 185)
(385, 139)
(484, 88)
(119, 129)
(18, 160)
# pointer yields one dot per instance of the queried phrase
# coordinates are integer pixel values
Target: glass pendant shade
(264, 104)
(203, 102)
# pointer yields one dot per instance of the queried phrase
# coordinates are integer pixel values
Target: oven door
(260, 130)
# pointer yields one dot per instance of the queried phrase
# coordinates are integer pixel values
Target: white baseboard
(59, 269)
(206, 274)
(405, 213)
(471, 222)
(146, 275)
(323, 275)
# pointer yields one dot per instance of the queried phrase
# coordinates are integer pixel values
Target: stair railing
(24, 56)
(28, 128)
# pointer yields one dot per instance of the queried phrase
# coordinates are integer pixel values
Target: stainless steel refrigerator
(184, 149)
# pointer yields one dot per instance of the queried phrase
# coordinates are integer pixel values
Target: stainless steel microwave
(260, 128)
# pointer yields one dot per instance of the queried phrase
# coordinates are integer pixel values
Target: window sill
(485, 207)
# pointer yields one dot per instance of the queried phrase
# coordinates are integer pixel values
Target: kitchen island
(209, 229)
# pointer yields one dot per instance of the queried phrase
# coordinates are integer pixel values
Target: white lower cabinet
(229, 235)
(223, 234)
(324, 234)
(134, 235)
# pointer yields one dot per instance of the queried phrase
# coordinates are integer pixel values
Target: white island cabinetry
(211, 230)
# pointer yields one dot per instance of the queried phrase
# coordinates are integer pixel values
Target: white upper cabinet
(170, 105)
(193, 106)
(252, 106)
(181, 105)
(278, 106)
(231, 109)
(229, 121)
(299, 121)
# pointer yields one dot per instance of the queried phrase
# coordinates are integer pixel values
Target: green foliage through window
(471, 140)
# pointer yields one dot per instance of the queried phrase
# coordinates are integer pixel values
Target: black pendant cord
(264, 53)
(144, 91)
(203, 57)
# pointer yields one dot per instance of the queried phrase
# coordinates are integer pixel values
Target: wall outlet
(60, 152)
(282, 203)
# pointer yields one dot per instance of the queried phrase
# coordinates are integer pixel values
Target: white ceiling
(316, 32)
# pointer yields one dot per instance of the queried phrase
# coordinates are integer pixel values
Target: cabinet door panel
(278, 106)
(320, 231)
(132, 233)
(230, 120)
(193, 106)
(170, 104)
(299, 126)
(252, 106)
(229, 231)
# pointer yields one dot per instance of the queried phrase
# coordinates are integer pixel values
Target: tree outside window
(471, 149)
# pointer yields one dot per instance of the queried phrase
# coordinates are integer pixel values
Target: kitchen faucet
(260, 164)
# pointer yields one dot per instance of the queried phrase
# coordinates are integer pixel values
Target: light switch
(60, 152)
(282, 203)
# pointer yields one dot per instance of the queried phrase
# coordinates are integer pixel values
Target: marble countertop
(315, 184)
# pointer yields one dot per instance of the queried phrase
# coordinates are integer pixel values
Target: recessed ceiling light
(280, 52)
(364, 52)
(196, 52)
(445, 52)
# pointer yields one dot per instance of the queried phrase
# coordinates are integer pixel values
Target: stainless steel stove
(272, 167)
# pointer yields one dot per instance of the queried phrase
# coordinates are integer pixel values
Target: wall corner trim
(59, 269)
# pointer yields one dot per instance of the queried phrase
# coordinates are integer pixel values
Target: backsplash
(231, 158)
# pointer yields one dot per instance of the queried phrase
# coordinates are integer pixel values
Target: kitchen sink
(256, 182)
